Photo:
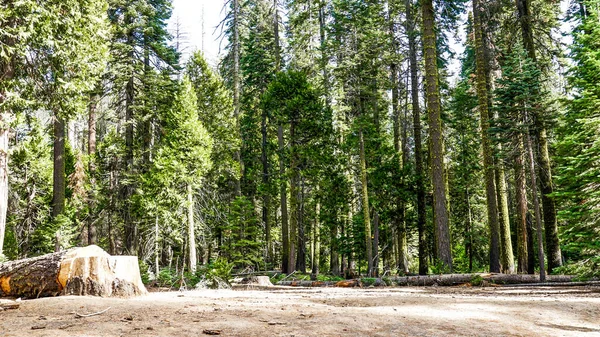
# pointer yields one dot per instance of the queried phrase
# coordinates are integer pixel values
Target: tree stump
(78, 271)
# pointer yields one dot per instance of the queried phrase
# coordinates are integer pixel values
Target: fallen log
(78, 271)
(436, 280)
(475, 279)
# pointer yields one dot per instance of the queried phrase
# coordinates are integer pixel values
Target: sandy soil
(433, 311)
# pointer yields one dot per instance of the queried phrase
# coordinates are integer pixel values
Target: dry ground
(431, 311)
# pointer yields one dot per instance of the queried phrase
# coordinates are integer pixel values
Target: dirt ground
(425, 311)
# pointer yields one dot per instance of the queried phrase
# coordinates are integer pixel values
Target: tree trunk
(58, 190)
(488, 163)
(236, 86)
(521, 196)
(506, 252)
(129, 226)
(3, 182)
(301, 243)
(293, 199)
(469, 230)
(478, 279)
(365, 201)
(441, 227)
(542, 156)
(91, 228)
(416, 112)
(285, 256)
(375, 244)
(191, 230)
(156, 247)
(536, 205)
(265, 189)
(78, 271)
(334, 258)
(316, 253)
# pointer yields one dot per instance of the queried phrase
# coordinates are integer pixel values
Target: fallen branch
(9, 305)
(92, 314)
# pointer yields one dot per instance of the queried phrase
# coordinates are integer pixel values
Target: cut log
(78, 271)
(439, 280)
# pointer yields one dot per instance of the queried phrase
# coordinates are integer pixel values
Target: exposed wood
(7, 304)
(78, 271)
(78, 315)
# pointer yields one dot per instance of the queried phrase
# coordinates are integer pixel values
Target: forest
(332, 137)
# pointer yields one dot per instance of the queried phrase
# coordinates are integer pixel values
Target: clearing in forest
(281, 311)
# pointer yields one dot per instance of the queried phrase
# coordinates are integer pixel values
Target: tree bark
(58, 189)
(488, 163)
(536, 205)
(301, 240)
(521, 196)
(265, 188)
(285, 256)
(506, 252)
(365, 203)
(3, 181)
(441, 221)
(130, 229)
(416, 112)
(91, 228)
(400, 147)
(78, 271)
(236, 87)
(191, 230)
(478, 279)
(541, 154)
(316, 240)
(293, 199)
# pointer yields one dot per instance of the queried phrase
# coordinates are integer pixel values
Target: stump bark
(78, 271)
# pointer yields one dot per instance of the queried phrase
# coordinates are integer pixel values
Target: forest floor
(278, 311)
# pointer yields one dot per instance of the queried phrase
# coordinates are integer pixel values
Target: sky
(189, 13)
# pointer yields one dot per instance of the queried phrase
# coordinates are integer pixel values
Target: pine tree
(578, 149)
(440, 206)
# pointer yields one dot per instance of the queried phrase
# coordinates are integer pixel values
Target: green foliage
(30, 184)
(168, 278)
(217, 274)
(579, 149)
(144, 272)
(243, 234)
(439, 268)
(477, 280)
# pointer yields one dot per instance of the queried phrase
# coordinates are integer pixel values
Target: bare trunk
(441, 221)
(285, 256)
(236, 87)
(91, 228)
(538, 212)
(521, 195)
(365, 204)
(506, 252)
(541, 152)
(191, 230)
(294, 205)
(58, 190)
(316, 253)
(488, 162)
(156, 247)
(416, 112)
(130, 227)
(3, 184)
